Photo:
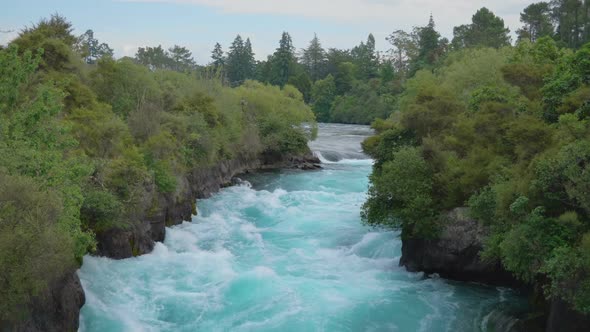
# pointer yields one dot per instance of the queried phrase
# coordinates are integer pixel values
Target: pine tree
(283, 61)
(248, 61)
(181, 58)
(537, 22)
(234, 64)
(314, 59)
(429, 47)
(366, 59)
(573, 21)
(486, 30)
(217, 56)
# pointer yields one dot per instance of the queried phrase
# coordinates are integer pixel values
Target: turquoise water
(285, 253)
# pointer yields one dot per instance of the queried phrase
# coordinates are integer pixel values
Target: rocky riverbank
(59, 308)
(455, 255)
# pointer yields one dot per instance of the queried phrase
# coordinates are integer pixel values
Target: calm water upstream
(285, 252)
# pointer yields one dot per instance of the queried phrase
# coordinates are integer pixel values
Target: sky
(198, 24)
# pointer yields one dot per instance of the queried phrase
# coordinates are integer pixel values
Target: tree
(366, 59)
(240, 61)
(344, 77)
(314, 59)
(486, 30)
(323, 94)
(217, 56)
(387, 71)
(91, 49)
(235, 69)
(573, 21)
(405, 49)
(153, 57)
(429, 46)
(303, 83)
(52, 39)
(248, 60)
(537, 22)
(334, 58)
(283, 61)
(181, 59)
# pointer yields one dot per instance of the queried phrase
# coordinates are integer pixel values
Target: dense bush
(506, 133)
(83, 145)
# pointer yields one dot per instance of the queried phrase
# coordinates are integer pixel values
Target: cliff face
(162, 210)
(455, 255)
(56, 311)
(562, 318)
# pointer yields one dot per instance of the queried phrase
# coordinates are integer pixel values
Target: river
(285, 251)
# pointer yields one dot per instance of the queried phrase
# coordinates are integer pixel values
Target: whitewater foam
(283, 252)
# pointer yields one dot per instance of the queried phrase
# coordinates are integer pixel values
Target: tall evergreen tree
(486, 30)
(283, 61)
(248, 60)
(314, 59)
(366, 59)
(429, 47)
(573, 21)
(234, 63)
(537, 22)
(181, 58)
(217, 56)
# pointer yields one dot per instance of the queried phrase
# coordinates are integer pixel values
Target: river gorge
(286, 251)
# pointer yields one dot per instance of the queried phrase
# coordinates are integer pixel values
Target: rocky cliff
(59, 309)
(162, 210)
(455, 254)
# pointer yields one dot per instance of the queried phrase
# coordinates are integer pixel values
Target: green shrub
(101, 211)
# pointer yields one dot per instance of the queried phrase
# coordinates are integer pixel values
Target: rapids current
(285, 251)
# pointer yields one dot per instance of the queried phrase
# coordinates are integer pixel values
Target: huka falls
(294, 166)
(286, 251)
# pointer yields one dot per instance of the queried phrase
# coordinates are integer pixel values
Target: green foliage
(87, 141)
(176, 58)
(101, 211)
(34, 250)
(163, 177)
(568, 269)
(14, 72)
(282, 61)
(240, 61)
(402, 194)
(527, 246)
(323, 94)
(91, 49)
(314, 59)
(362, 105)
(504, 131)
(486, 30)
(537, 22)
(280, 114)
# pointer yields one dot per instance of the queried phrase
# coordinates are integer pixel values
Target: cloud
(397, 13)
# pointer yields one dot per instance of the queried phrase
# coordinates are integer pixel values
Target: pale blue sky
(198, 24)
